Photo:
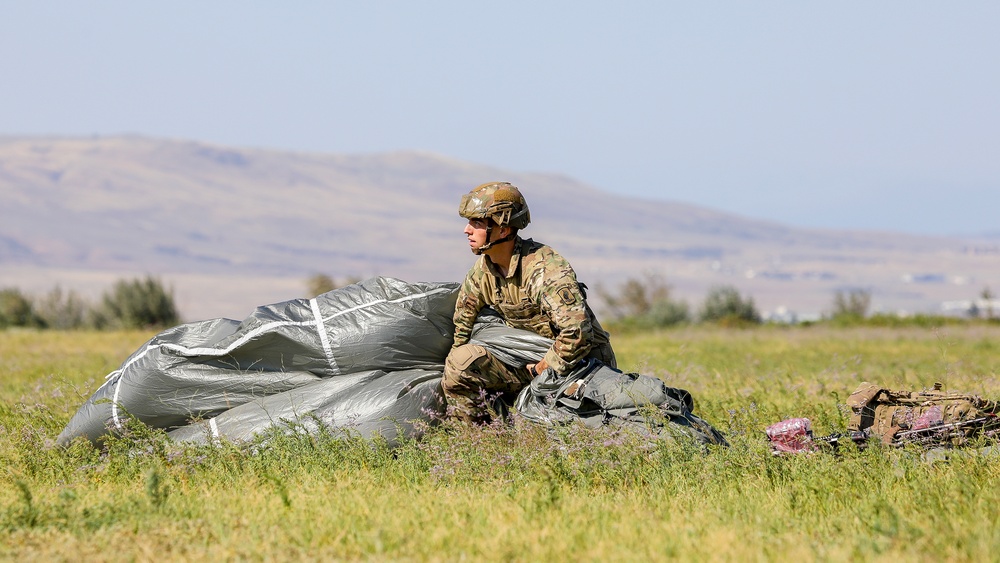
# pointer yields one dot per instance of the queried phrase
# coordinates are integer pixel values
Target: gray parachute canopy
(367, 358)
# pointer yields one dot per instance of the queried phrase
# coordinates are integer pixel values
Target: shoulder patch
(566, 295)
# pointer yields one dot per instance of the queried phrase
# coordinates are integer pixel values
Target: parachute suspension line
(324, 338)
(114, 400)
(379, 301)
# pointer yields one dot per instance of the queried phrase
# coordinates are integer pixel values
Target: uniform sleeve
(470, 301)
(566, 307)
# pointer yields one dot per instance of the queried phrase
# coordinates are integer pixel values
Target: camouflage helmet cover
(500, 201)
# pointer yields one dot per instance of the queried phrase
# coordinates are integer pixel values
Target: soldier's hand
(537, 369)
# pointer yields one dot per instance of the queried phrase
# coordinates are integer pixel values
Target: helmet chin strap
(489, 244)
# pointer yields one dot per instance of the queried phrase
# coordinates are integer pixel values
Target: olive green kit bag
(930, 417)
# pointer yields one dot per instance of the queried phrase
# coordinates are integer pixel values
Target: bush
(318, 284)
(725, 305)
(987, 298)
(138, 303)
(851, 305)
(644, 302)
(63, 310)
(668, 312)
(17, 310)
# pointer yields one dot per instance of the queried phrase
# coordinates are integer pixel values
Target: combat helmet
(500, 201)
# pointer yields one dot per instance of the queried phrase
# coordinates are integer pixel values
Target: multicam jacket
(540, 293)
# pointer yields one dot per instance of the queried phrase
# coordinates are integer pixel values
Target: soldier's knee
(463, 365)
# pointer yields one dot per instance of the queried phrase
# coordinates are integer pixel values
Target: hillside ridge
(187, 210)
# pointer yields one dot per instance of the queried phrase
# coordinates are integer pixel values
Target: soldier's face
(475, 231)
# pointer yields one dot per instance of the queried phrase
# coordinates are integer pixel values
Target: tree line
(140, 303)
(646, 302)
(132, 303)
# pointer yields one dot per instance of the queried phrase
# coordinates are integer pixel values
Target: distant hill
(231, 228)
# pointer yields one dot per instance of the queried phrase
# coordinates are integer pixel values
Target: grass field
(517, 492)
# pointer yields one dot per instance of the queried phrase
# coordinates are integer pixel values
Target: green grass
(517, 493)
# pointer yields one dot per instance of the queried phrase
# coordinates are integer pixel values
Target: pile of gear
(931, 418)
(368, 359)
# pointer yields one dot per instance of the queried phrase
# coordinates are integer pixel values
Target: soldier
(532, 287)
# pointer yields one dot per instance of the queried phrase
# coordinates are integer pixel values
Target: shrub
(851, 305)
(63, 310)
(987, 298)
(138, 303)
(17, 310)
(644, 302)
(318, 284)
(668, 312)
(725, 305)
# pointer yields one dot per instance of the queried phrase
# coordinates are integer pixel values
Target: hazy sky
(879, 115)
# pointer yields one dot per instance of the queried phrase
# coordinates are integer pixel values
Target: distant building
(782, 315)
(972, 307)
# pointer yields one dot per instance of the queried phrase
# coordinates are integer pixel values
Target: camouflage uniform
(540, 293)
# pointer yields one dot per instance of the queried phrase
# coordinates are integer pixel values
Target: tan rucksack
(929, 417)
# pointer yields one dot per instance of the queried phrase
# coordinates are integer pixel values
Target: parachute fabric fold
(363, 404)
(592, 393)
(199, 370)
(366, 359)
(598, 395)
